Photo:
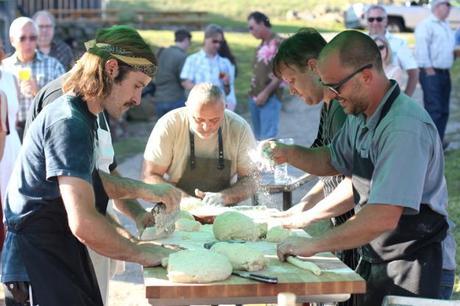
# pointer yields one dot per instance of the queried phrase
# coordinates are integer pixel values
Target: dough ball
(234, 225)
(198, 266)
(164, 262)
(277, 234)
(189, 204)
(187, 225)
(241, 256)
(262, 227)
(185, 215)
(152, 233)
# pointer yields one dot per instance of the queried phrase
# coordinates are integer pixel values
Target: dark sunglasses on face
(372, 19)
(335, 88)
(29, 38)
(216, 41)
(381, 47)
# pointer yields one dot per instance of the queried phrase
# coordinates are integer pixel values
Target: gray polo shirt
(406, 152)
(167, 80)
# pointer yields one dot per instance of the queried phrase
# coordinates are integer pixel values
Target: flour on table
(198, 266)
(152, 233)
(183, 214)
(234, 225)
(241, 257)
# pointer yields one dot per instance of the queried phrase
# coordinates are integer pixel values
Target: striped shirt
(44, 69)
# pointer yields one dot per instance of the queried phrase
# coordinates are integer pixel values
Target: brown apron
(206, 174)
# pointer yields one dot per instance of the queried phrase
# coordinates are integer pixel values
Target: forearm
(338, 202)
(316, 161)
(241, 190)
(272, 86)
(313, 196)
(152, 178)
(120, 229)
(2, 144)
(411, 81)
(118, 187)
(372, 221)
(130, 208)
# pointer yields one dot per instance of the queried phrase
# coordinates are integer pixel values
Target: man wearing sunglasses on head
(40, 69)
(390, 148)
(377, 22)
(207, 66)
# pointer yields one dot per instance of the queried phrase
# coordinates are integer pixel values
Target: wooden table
(297, 179)
(335, 284)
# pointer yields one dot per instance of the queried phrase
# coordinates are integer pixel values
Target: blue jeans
(265, 118)
(447, 284)
(436, 93)
(162, 108)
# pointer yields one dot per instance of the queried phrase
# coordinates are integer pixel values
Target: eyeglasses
(216, 41)
(29, 38)
(381, 47)
(372, 19)
(45, 26)
(335, 88)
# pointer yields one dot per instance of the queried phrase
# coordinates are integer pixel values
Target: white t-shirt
(169, 144)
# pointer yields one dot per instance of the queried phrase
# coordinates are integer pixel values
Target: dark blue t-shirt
(60, 142)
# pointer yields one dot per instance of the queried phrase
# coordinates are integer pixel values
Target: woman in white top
(8, 85)
(392, 71)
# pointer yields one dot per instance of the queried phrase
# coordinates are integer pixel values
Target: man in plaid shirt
(33, 69)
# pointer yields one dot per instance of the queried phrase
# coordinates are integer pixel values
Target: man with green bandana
(50, 208)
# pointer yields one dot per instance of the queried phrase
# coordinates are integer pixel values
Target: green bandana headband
(107, 51)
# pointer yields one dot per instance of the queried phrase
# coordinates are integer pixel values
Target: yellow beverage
(24, 74)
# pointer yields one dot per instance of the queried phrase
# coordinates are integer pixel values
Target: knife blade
(208, 245)
(257, 277)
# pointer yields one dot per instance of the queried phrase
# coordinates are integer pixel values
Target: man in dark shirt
(169, 92)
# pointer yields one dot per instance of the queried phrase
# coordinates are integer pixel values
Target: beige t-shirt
(169, 144)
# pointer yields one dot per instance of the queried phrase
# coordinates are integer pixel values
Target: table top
(297, 178)
(336, 278)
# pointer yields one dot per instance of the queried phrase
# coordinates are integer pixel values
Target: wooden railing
(187, 18)
(109, 16)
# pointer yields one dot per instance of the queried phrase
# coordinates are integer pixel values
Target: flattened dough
(234, 225)
(241, 256)
(183, 214)
(277, 234)
(187, 225)
(198, 266)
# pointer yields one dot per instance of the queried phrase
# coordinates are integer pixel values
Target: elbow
(81, 230)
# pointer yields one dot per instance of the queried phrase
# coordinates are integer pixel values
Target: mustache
(130, 103)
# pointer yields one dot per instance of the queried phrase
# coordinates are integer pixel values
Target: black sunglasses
(335, 88)
(29, 38)
(216, 41)
(372, 19)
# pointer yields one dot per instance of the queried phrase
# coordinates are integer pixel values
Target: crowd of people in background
(194, 97)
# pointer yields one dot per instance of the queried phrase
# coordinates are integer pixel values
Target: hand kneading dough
(241, 256)
(185, 215)
(306, 265)
(262, 227)
(187, 225)
(198, 266)
(277, 234)
(234, 225)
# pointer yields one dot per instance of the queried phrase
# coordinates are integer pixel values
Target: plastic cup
(280, 174)
(24, 74)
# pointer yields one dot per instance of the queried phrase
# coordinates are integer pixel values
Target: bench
(109, 16)
(146, 19)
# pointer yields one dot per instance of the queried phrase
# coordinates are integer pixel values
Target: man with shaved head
(390, 148)
(202, 149)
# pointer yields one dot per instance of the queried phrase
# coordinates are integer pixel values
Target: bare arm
(371, 221)
(316, 161)
(412, 81)
(263, 96)
(338, 202)
(118, 187)
(93, 229)
(2, 144)
(241, 190)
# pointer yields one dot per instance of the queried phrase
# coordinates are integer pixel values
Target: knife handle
(263, 278)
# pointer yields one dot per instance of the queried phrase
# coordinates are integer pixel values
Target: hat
(435, 3)
(137, 61)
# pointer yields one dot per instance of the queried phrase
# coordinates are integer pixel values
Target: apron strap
(220, 162)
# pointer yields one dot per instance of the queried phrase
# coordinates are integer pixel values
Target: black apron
(58, 265)
(204, 173)
(408, 260)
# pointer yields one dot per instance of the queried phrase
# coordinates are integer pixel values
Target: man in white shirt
(207, 65)
(377, 22)
(202, 149)
(434, 50)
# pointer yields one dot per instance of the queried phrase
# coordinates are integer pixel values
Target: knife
(257, 277)
(208, 245)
